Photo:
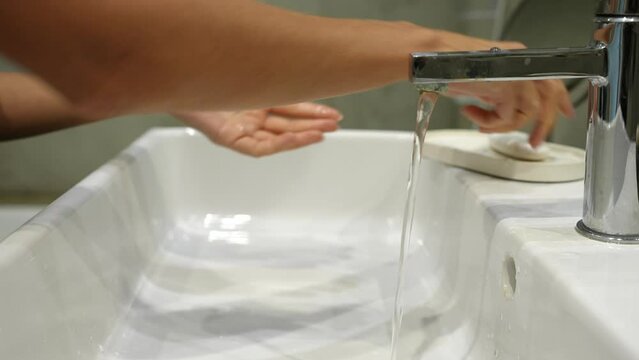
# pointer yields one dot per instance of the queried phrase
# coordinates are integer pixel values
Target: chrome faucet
(611, 63)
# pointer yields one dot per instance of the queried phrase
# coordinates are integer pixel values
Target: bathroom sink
(178, 249)
(12, 216)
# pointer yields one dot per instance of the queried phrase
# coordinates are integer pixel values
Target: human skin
(108, 58)
(29, 106)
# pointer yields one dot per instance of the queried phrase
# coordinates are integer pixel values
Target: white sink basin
(178, 249)
(13, 216)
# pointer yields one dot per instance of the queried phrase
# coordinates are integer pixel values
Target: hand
(267, 131)
(514, 102)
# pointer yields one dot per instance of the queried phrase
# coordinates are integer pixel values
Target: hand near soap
(515, 145)
(266, 131)
(514, 103)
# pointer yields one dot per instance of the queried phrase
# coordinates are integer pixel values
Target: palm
(266, 131)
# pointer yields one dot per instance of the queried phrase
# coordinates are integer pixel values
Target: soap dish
(470, 149)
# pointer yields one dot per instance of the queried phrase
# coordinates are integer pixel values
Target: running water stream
(425, 107)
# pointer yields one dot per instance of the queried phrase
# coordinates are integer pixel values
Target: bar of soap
(515, 145)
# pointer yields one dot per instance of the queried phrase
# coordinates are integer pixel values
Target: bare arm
(122, 56)
(119, 56)
(29, 106)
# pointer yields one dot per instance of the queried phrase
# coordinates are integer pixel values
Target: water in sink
(256, 290)
(425, 107)
(250, 286)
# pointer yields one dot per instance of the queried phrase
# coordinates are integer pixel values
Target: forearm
(28, 106)
(123, 56)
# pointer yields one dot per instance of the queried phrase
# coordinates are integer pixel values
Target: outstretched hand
(266, 131)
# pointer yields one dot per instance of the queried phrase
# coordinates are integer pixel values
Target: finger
(261, 143)
(280, 125)
(506, 102)
(518, 102)
(308, 110)
(556, 91)
(565, 104)
(284, 141)
(307, 138)
(263, 135)
(544, 125)
(483, 118)
(528, 99)
(231, 130)
(267, 143)
(518, 121)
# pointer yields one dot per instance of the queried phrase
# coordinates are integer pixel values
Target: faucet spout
(611, 186)
(508, 65)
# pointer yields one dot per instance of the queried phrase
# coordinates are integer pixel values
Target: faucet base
(599, 236)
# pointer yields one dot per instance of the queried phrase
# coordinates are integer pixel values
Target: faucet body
(611, 63)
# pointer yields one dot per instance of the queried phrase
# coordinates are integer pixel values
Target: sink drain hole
(509, 277)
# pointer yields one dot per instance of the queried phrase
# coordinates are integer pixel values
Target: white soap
(515, 145)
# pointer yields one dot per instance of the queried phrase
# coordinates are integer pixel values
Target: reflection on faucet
(611, 196)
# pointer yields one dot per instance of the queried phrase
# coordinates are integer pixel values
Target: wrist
(393, 42)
